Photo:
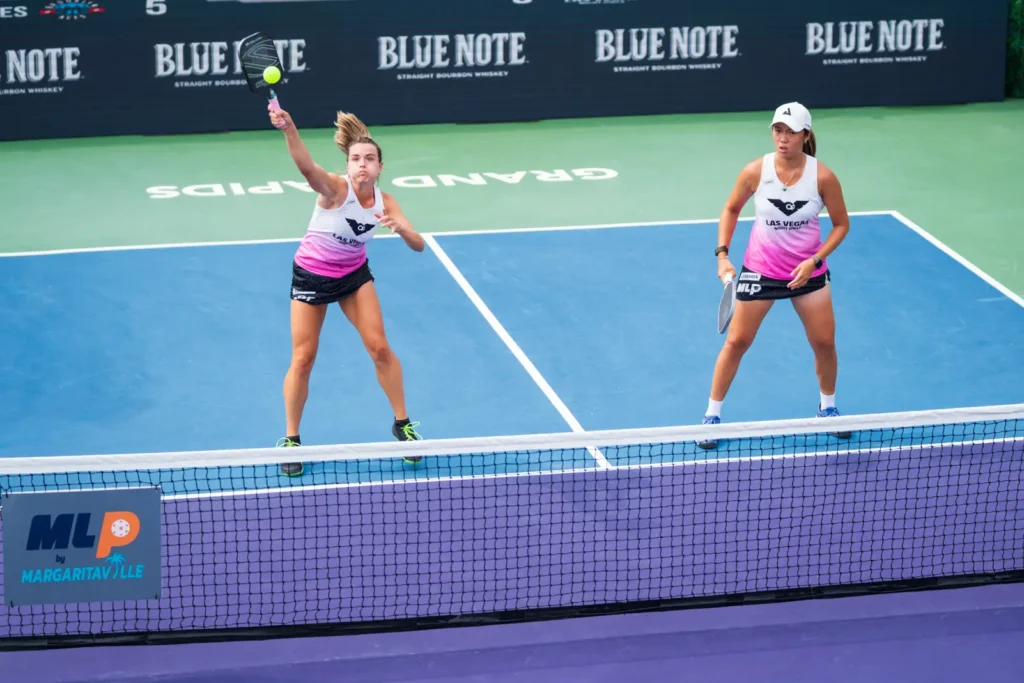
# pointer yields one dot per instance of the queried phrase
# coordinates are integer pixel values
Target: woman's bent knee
(303, 360)
(379, 349)
(824, 346)
(738, 345)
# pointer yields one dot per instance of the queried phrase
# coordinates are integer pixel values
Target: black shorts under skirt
(751, 286)
(319, 289)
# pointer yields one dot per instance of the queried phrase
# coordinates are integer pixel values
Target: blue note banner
(112, 67)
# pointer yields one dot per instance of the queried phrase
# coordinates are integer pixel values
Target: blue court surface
(185, 348)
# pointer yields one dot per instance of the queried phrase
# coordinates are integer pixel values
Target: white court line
(700, 462)
(441, 233)
(149, 247)
(602, 226)
(755, 430)
(949, 251)
(520, 355)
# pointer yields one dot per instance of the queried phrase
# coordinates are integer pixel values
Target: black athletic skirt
(318, 289)
(753, 286)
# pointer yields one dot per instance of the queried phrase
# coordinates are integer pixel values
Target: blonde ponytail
(352, 131)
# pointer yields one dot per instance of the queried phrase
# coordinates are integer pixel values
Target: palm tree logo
(115, 560)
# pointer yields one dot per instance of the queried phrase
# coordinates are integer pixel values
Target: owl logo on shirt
(361, 228)
(788, 208)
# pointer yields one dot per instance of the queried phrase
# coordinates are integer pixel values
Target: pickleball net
(518, 527)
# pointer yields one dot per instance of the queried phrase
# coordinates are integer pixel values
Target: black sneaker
(290, 469)
(406, 431)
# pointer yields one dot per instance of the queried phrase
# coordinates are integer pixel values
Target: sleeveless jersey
(335, 241)
(786, 229)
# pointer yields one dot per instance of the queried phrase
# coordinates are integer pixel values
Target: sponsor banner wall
(108, 67)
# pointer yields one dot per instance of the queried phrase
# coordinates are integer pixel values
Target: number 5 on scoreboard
(155, 8)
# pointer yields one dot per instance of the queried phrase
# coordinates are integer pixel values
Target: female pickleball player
(331, 266)
(785, 257)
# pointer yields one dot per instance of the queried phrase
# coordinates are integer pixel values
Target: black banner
(113, 67)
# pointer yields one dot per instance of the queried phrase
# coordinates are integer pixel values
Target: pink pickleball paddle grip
(274, 106)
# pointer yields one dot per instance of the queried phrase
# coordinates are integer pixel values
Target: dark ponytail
(810, 144)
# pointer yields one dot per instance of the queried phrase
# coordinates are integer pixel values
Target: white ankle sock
(828, 401)
(714, 408)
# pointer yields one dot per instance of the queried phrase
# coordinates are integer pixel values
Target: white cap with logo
(794, 115)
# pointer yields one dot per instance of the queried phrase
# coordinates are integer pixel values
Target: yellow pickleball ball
(271, 74)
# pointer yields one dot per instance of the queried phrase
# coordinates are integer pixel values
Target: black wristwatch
(817, 262)
(722, 250)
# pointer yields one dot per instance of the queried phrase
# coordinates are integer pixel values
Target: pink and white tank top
(786, 227)
(335, 241)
